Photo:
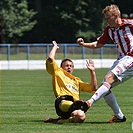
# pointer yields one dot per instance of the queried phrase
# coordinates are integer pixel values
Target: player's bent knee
(78, 116)
(110, 78)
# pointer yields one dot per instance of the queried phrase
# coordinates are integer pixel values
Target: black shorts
(63, 115)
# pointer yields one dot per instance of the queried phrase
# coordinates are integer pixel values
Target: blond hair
(112, 10)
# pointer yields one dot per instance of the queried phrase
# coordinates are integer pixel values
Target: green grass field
(26, 98)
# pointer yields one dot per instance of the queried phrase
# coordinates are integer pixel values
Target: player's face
(68, 66)
(111, 19)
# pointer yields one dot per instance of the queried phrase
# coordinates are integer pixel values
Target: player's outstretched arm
(91, 67)
(91, 45)
(53, 51)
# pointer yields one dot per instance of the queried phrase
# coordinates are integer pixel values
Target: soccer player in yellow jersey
(67, 88)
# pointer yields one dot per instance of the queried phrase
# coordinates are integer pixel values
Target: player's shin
(61, 121)
(112, 102)
(102, 91)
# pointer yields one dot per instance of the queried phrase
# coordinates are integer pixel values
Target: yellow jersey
(65, 83)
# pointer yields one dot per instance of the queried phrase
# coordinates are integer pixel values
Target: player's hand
(80, 41)
(55, 44)
(90, 64)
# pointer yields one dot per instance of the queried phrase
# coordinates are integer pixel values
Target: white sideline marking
(40, 64)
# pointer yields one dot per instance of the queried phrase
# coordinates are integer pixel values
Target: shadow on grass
(97, 122)
(31, 121)
(42, 121)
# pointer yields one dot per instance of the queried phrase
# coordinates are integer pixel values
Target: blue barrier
(47, 48)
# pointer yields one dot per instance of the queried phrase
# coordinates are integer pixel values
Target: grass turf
(26, 98)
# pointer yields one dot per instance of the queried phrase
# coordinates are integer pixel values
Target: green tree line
(40, 21)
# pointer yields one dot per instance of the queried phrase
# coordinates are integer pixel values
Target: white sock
(111, 101)
(103, 90)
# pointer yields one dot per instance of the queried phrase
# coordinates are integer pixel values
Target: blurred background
(27, 28)
(41, 21)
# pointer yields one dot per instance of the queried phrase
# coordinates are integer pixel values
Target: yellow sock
(64, 106)
(61, 121)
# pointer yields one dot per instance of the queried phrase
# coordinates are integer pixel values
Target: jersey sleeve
(86, 87)
(104, 38)
(131, 27)
(51, 67)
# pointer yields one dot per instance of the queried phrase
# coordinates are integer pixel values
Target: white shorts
(123, 69)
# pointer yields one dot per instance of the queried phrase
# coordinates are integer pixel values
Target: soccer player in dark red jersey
(120, 31)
